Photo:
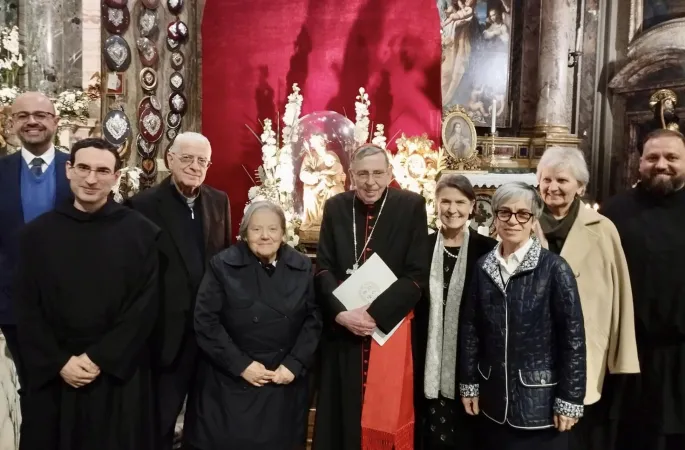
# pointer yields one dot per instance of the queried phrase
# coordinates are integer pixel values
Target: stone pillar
(50, 33)
(555, 43)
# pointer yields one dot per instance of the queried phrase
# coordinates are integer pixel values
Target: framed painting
(459, 135)
(476, 58)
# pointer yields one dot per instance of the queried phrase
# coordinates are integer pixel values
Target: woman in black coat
(454, 251)
(258, 327)
(522, 336)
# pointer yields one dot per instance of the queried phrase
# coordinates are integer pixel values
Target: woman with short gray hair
(522, 354)
(258, 325)
(590, 243)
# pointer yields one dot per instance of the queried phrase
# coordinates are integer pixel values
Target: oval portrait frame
(448, 118)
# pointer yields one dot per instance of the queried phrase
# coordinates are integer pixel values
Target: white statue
(323, 177)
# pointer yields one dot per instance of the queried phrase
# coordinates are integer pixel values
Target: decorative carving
(663, 103)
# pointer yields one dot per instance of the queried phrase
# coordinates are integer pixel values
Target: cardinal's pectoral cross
(354, 268)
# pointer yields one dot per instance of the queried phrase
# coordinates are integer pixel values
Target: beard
(28, 140)
(655, 182)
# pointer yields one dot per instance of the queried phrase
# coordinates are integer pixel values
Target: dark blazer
(523, 342)
(244, 315)
(12, 220)
(177, 290)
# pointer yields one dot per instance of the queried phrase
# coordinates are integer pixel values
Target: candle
(579, 38)
(493, 128)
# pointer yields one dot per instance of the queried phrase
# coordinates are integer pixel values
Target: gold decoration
(416, 166)
(663, 95)
(663, 103)
(459, 139)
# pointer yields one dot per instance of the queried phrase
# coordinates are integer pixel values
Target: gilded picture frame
(459, 135)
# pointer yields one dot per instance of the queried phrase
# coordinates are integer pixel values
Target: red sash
(388, 408)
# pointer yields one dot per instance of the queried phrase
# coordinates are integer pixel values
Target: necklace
(355, 266)
(449, 253)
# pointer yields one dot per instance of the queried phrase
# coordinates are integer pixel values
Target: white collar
(517, 256)
(47, 157)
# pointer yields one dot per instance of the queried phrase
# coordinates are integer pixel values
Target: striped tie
(37, 166)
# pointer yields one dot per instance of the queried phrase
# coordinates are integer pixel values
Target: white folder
(364, 286)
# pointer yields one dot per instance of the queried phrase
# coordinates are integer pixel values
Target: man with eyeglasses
(32, 182)
(87, 299)
(196, 225)
(366, 390)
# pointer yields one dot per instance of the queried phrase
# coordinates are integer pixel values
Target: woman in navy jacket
(522, 334)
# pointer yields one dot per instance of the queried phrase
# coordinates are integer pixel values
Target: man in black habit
(86, 304)
(365, 398)
(196, 224)
(650, 219)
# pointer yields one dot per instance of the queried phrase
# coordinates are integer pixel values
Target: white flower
(252, 193)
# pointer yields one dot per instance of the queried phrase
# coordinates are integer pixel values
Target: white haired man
(196, 225)
(366, 391)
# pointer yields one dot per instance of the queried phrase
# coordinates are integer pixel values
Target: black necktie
(37, 166)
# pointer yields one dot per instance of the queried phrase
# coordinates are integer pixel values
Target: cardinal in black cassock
(365, 394)
(650, 219)
(86, 304)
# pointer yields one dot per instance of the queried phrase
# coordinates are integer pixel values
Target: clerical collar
(366, 206)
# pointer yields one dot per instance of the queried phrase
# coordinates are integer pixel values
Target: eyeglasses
(363, 175)
(84, 171)
(39, 116)
(187, 160)
(522, 217)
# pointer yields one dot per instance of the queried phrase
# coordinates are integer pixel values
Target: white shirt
(509, 265)
(47, 157)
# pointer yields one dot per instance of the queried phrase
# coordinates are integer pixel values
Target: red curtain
(254, 50)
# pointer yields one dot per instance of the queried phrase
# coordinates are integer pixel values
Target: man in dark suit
(196, 225)
(32, 181)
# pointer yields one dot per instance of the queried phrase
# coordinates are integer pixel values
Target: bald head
(33, 101)
(34, 121)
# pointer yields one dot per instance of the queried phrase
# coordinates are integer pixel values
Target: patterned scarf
(441, 354)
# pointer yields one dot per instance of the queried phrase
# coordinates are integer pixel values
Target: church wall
(634, 63)
(134, 92)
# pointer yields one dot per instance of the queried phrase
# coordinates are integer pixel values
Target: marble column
(555, 43)
(91, 42)
(50, 33)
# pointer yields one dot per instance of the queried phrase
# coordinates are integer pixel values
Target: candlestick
(493, 127)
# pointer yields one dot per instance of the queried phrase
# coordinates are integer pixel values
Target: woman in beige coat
(591, 245)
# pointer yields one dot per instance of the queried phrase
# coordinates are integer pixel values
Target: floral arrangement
(11, 59)
(72, 104)
(416, 166)
(8, 94)
(276, 174)
(128, 184)
(362, 123)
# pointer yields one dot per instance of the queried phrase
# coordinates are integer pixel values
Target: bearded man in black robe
(365, 398)
(650, 219)
(86, 303)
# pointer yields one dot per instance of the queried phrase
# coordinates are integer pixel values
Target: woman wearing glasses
(522, 336)
(590, 243)
(452, 256)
